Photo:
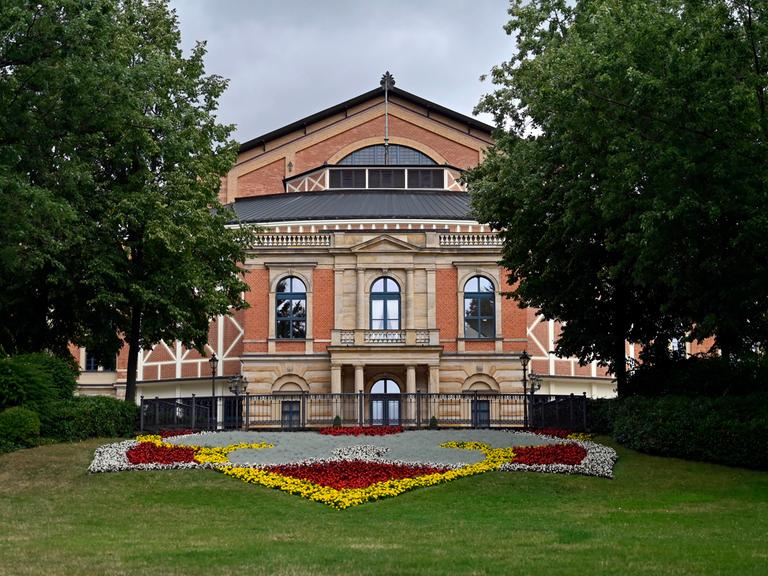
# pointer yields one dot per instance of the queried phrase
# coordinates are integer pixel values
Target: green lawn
(659, 516)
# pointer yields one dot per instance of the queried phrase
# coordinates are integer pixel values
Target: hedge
(723, 430)
(19, 427)
(84, 417)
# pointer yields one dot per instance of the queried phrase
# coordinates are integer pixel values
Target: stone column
(336, 388)
(360, 325)
(410, 308)
(410, 389)
(431, 300)
(434, 379)
(359, 387)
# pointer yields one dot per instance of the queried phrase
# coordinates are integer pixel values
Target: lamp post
(237, 385)
(214, 362)
(524, 359)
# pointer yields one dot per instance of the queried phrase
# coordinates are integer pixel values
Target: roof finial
(387, 81)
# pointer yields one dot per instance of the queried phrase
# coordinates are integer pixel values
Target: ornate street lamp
(524, 359)
(214, 362)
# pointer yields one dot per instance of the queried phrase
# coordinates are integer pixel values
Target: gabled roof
(354, 204)
(375, 93)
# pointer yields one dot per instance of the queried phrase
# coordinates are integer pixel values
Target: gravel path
(409, 446)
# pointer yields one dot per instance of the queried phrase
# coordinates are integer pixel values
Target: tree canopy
(630, 176)
(111, 160)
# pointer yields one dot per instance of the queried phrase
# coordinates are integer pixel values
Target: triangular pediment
(384, 243)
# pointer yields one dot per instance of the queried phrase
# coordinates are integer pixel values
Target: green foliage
(19, 426)
(110, 167)
(88, 417)
(702, 376)
(336, 422)
(601, 413)
(724, 430)
(24, 382)
(433, 422)
(63, 372)
(629, 179)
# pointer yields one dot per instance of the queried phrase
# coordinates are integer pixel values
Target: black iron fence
(298, 411)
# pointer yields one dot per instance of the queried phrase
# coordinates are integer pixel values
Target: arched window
(385, 386)
(479, 316)
(385, 304)
(291, 308)
(395, 155)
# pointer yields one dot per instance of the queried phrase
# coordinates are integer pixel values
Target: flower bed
(361, 430)
(353, 474)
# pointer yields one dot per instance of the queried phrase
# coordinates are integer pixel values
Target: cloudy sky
(291, 58)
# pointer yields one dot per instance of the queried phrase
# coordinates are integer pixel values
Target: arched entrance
(385, 403)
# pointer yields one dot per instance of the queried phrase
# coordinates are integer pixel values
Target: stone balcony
(381, 338)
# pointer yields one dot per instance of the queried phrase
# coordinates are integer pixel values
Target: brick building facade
(370, 270)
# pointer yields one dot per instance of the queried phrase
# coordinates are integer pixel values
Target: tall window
(291, 308)
(479, 317)
(385, 304)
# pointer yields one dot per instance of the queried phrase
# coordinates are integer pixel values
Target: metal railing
(298, 411)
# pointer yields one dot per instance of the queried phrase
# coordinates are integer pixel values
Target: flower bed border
(599, 461)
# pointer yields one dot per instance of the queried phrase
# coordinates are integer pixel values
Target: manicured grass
(659, 516)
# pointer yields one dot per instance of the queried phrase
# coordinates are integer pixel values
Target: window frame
(291, 318)
(385, 296)
(475, 321)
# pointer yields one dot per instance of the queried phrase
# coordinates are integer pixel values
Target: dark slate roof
(323, 114)
(352, 204)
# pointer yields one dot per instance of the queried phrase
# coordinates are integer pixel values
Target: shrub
(724, 430)
(88, 417)
(433, 422)
(337, 421)
(35, 380)
(701, 376)
(601, 413)
(19, 426)
(62, 371)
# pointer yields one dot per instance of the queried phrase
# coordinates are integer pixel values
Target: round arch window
(291, 309)
(479, 308)
(385, 304)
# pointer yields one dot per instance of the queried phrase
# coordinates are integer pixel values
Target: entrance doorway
(385, 403)
(481, 413)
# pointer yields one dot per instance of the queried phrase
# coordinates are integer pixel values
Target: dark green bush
(62, 371)
(601, 413)
(336, 422)
(88, 417)
(725, 430)
(19, 426)
(33, 380)
(701, 376)
(433, 422)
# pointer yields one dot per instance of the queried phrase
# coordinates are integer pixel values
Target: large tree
(150, 256)
(629, 176)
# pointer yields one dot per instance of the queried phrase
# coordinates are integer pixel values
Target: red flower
(550, 454)
(181, 432)
(362, 431)
(149, 453)
(352, 473)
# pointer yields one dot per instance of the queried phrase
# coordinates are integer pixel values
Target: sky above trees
(288, 59)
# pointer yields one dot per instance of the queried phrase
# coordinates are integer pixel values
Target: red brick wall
(256, 318)
(265, 180)
(455, 153)
(323, 303)
(447, 304)
(479, 346)
(513, 318)
(288, 346)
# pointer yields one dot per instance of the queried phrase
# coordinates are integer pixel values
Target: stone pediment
(384, 243)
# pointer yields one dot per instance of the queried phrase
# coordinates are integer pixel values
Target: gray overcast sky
(286, 60)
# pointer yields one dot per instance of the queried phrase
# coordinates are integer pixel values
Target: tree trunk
(134, 349)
